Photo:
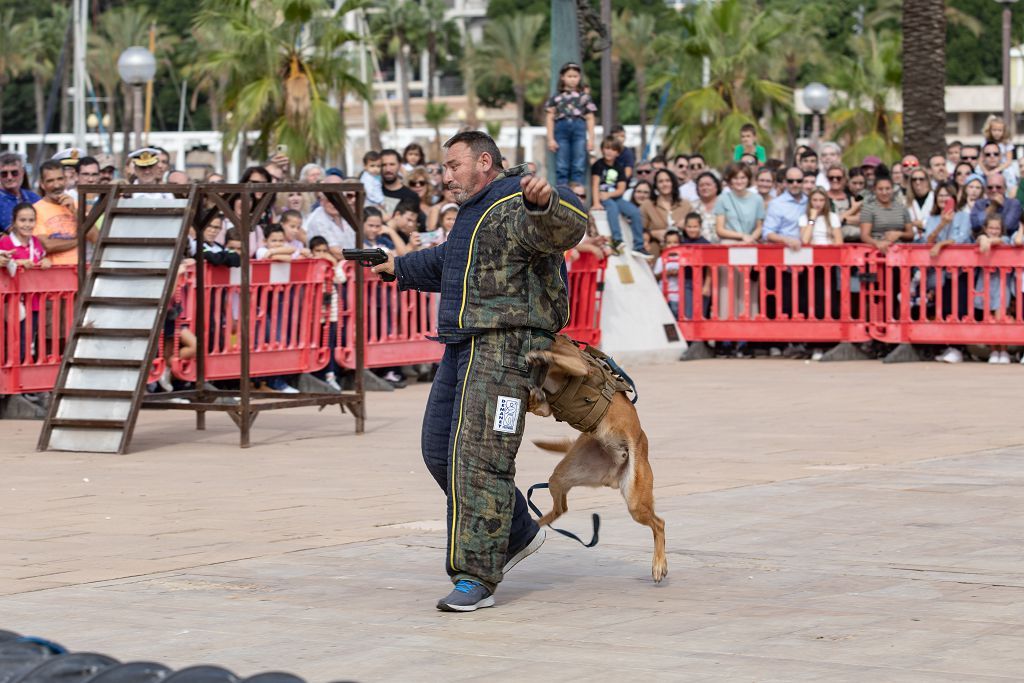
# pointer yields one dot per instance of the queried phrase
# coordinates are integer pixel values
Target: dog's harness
(584, 401)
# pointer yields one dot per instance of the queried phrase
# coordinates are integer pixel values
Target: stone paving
(841, 522)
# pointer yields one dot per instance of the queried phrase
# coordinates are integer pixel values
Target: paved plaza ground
(825, 522)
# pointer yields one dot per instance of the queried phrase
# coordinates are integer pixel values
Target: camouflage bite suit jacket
(503, 264)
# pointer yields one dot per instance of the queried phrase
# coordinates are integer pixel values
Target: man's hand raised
(536, 190)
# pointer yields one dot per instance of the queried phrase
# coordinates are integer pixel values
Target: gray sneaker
(467, 596)
(514, 558)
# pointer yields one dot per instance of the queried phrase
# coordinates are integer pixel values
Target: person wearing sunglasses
(13, 190)
(418, 180)
(919, 200)
(996, 202)
(969, 154)
(844, 204)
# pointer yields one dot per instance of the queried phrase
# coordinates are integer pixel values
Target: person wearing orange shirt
(56, 224)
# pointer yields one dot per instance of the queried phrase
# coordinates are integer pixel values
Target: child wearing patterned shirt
(570, 124)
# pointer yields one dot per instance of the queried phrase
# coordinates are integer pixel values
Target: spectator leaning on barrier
(56, 223)
(919, 200)
(996, 202)
(13, 187)
(884, 218)
(740, 212)
(782, 220)
(765, 183)
(709, 190)
(325, 221)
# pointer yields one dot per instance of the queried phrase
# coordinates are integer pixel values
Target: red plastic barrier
(770, 293)
(286, 332)
(37, 308)
(396, 324)
(586, 288)
(960, 297)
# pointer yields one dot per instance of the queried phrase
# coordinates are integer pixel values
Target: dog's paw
(659, 570)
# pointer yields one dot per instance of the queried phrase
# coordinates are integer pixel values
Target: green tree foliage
(739, 46)
(283, 59)
(515, 50)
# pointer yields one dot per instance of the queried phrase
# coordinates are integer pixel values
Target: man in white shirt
(326, 222)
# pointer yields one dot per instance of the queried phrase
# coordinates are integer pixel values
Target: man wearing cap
(146, 169)
(68, 160)
(12, 192)
(867, 167)
(107, 168)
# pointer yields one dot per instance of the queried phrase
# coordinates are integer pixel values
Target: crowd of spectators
(965, 194)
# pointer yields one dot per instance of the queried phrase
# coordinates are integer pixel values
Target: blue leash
(595, 517)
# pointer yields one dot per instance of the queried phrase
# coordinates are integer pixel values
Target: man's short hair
(677, 157)
(660, 159)
(809, 174)
(50, 165)
(808, 154)
(698, 156)
(11, 158)
(748, 128)
(390, 153)
(618, 128)
(406, 206)
(88, 161)
(478, 143)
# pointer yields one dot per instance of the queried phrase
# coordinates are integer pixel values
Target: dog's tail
(556, 445)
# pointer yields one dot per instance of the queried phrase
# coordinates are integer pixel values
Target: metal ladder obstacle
(118, 322)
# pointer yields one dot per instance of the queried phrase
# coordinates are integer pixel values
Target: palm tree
(116, 30)
(865, 85)
(440, 37)
(12, 57)
(924, 77)
(739, 46)
(399, 26)
(40, 45)
(283, 59)
(436, 113)
(513, 49)
(633, 45)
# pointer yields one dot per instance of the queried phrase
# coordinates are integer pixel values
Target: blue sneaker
(467, 596)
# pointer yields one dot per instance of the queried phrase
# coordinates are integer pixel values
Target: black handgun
(368, 258)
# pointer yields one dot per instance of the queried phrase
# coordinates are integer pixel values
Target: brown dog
(614, 454)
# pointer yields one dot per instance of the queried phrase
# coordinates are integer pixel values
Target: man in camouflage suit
(501, 274)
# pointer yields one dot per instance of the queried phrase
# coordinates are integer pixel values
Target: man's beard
(388, 178)
(461, 195)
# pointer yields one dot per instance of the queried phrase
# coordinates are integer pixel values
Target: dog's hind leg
(584, 465)
(638, 490)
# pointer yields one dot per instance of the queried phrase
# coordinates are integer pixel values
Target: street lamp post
(1007, 114)
(816, 98)
(136, 65)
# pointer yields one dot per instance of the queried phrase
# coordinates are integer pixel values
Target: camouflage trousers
(471, 433)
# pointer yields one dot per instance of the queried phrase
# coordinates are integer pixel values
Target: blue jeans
(613, 208)
(571, 157)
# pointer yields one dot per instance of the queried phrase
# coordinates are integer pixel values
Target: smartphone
(282, 149)
(859, 197)
(947, 206)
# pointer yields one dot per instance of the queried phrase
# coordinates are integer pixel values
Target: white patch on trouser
(506, 414)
